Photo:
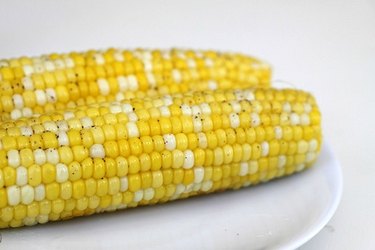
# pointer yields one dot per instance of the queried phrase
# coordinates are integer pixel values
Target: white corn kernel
(87, 121)
(28, 70)
(253, 167)
(62, 125)
(282, 161)
(198, 174)
(51, 95)
(133, 82)
(196, 110)
(49, 66)
(176, 75)
(40, 96)
(244, 169)
(62, 173)
(40, 156)
(21, 176)
(164, 111)
(236, 106)
(169, 141)
(150, 77)
(99, 59)
(27, 112)
(59, 64)
(300, 167)
(180, 188)
(18, 101)
(13, 195)
(234, 120)
(27, 194)
(16, 114)
(132, 117)
(124, 184)
(255, 120)
(313, 145)
(294, 119)
(97, 151)
(186, 110)
(197, 123)
(50, 126)
(28, 83)
(206, 186)
(302, 147)
(68, 115)
(13, 158)
(127, 108)
(249, 95)
(307, 107)
(287, 108)
(265, 148)
(29, 221)
(202, 140)
(115, 108)
(189, 159)
(310, 156)
(305, 120)
(138, 196)
(122, 83)
(212, 85)
(118, 56)
(40, 192)
(278, 132)
(197, 187)
(63, 138)
(132, 129)
(168, 101)
(52, 155)
(26, 131)
(206, 109)
(148, 194)
(103, 86)
(42, 218)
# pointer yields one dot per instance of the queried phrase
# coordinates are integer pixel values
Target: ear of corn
(42, 84)
(139, 151)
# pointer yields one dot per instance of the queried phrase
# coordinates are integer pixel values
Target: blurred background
(326, 47)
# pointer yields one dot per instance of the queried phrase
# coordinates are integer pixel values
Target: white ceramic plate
(282, 214)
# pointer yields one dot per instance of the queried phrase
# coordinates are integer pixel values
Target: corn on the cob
(109, 156)
(42, 84)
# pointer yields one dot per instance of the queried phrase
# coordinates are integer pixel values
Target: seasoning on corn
(114, 155)
(57, 81)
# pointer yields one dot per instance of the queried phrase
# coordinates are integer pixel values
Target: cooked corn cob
(109, 156)
(42, 84)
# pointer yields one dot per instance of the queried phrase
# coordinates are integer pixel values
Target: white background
(326, 47)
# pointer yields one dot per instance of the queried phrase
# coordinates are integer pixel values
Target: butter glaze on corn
(115, 155)
(43, 84)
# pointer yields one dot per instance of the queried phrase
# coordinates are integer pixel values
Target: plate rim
(304, 238)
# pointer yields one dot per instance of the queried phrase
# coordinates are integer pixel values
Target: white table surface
(326, 47)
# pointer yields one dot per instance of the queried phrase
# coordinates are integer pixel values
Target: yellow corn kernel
(50, 140)
(102, 187)
(157, 179)
(9, 176)
(3, 198)
(48, 173)
(66, 190)
(78, 189)
(52, 191)
(75, 171)
(122, 166)
(27, 157)
(99, 168)
(134, 182)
